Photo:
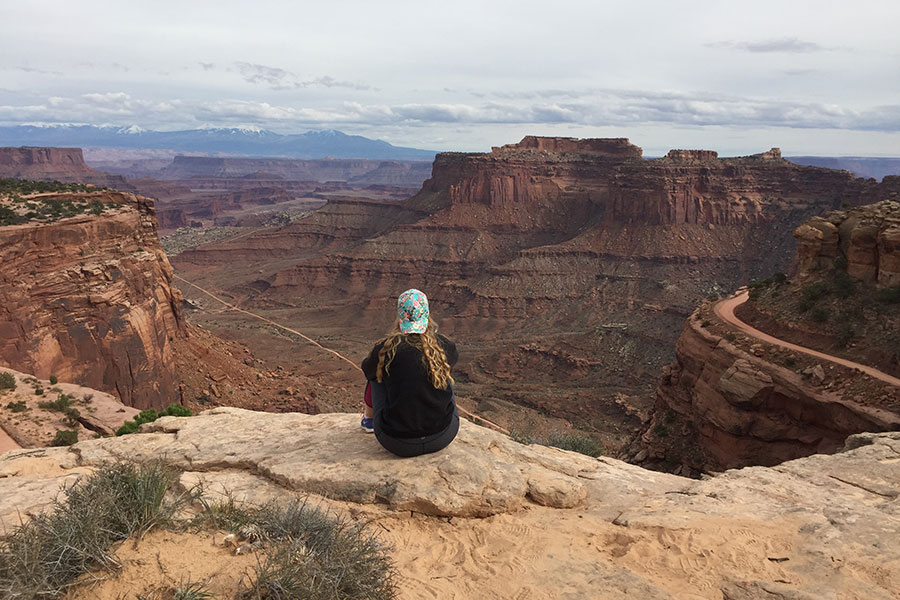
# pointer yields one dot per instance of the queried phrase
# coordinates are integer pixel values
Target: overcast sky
(813, 77)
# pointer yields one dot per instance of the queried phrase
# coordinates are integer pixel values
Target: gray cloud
(38, 71)
(622, 108)
(790, 45)
(280, 79)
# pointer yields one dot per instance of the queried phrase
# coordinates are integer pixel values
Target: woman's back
(414, 407)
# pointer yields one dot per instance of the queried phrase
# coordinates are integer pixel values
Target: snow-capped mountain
(250, 141)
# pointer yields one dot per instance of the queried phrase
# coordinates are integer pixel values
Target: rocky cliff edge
(495, 518)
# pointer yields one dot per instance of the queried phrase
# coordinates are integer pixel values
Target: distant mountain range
(241, 141)
(861, 166)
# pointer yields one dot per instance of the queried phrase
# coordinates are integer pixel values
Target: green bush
(150, 415)
(845, 334)
(844, 285)
(814, 291)
(61, 404)
(706, 323)
(819, 314)
(127, 427)
(65, 437)
(39, 391)
(576, 443)
(7, 381)
(176, 410)
(17, 407)
(72, 416)
(146, 416)
(889, 295)
(53, 380)
(790, 361)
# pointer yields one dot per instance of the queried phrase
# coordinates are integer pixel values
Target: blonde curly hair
(433, 357)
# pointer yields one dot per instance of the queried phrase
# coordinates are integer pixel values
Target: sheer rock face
(748, 411)
(745, 534)
(63, 164)
(54, 164)
(868, 238)
(90, 300)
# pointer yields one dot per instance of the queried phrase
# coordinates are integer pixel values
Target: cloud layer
(465, 75)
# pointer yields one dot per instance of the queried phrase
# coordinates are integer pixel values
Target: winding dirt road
(725, 311)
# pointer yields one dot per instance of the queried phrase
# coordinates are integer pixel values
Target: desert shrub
(660, 430)
(72, 416)
(192, 590)
(522, 437)
(39, 391)
(46, 555)
(176, 410)
(757, 286)
(7, 381)
(706, 323)
(127, 427)
(844, 285)
(814, 291)
(65, 437)
(845, 334)
(819, 314)
(62, 403)
(730, 336)
(10, 217)
(889, 295)
(576, 443)
(17, 407)
(53, 380)
(146, 416)
(309, 553)
(150, 415)
(790, 361)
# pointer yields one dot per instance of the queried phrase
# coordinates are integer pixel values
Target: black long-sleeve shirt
(414, 407)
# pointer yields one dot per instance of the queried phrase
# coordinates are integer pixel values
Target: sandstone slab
(530, 521)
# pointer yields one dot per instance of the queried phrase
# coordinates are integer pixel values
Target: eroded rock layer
(577, 248)
(90, 300)
(866, 238)
(59, 164)
(738, 409)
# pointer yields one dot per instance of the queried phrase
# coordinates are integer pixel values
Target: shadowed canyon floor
(491, 518)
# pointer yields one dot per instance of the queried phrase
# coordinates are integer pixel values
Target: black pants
(409, 446)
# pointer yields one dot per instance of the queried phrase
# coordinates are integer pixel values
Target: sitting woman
(413, 410)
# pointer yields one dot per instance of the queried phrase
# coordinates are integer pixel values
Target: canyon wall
(90, 299)
(867, 238)
(578, 251)
(54, 164)
(720, 406)
(730, 400)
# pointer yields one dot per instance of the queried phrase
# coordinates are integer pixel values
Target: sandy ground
(164, 559)
(535, 554)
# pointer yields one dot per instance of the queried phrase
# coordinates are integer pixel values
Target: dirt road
(725, 311)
